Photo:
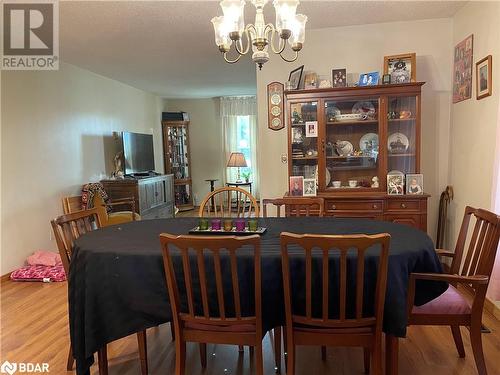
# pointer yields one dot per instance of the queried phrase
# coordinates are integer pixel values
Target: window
(243, 141)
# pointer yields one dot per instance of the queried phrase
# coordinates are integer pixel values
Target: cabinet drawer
(403, 205)
(411, 220)
(367, 206)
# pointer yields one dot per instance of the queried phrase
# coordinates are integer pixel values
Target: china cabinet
(177, 161)
(349, 139)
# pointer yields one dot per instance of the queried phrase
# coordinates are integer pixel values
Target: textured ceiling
(167, 47)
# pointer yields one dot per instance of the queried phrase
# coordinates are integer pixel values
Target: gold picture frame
(408, 59)
(484, 79)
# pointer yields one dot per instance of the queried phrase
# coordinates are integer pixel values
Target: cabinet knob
(334, 207)
(375, 206)
(403, 205)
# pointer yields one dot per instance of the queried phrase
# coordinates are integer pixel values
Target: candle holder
(228, 225)
(216, 224)
(203, 224)
(253, 224)
(240, 225)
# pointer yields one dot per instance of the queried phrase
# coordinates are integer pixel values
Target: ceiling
(167, 47)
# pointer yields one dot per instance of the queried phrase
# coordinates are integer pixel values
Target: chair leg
(285, 349)
(277, 349)
(290, 360)
(366, 360)
(477, 348)
(71, 360)
(102, 359)
(143, 351)
(323, 353)
(259, 360)
(203, 355)
(457, 337)
(180, 356)
(377, 361)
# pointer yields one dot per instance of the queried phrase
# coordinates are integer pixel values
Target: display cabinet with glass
(177, 161)
(359, 136)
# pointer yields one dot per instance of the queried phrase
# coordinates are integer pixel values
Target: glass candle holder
(240, 225)
(228, 225)
(216, 224)
(203, 224)
(253, 224)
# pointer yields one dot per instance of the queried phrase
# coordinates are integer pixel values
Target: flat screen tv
(138, 153)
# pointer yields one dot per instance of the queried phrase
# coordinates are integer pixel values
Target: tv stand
(140, 175)
(154, 195)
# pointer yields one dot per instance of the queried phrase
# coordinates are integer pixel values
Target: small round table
(240, 184)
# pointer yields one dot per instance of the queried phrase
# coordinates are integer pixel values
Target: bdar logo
(8, 368)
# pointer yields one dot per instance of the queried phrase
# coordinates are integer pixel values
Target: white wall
(56, 127)
(475, 123)
(362, 49)
(205, 140)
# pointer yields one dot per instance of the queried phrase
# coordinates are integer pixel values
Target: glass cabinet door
(304, 142)
(352, 144)
(401, 134)
(178, 151)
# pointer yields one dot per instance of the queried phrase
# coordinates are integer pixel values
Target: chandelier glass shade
(230, 29)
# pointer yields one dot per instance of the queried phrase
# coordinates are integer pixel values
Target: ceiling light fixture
(231, 28)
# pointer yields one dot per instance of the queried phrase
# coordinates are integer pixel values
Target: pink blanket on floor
(44, 258)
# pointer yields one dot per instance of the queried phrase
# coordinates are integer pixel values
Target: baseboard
(5, 277)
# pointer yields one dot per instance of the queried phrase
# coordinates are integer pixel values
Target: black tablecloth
(117, 283)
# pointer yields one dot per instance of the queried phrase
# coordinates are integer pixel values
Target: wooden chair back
(296, 206)
(229, 202)
(477, 243)
(72, 204)
(199, 249)
(67, 228)
(339, 245)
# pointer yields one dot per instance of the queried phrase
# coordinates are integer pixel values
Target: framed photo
(297, 186)
(339, 77)
(415, 184)
(395, 184)
(295, 77)
(310, 80)
(368, 79)
(309, 188)
(484, 77)
(462, 70)
(311, 129)
(402, 68)
(297, 135)
(386, 79)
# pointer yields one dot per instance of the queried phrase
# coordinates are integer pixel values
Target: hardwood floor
(34, 328)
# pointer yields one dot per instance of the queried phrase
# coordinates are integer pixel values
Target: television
(138, 153)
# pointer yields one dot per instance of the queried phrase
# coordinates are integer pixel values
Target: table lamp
(237, 159)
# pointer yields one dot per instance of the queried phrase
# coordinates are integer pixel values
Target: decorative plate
(351, 117)
(364, 108)
(275, 99)
(276, 122)
(328, 177)
(332, 113)
(397, 143)
(344, 148)
(275, 110)
(368, 142)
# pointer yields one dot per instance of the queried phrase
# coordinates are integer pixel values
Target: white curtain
(246, 108)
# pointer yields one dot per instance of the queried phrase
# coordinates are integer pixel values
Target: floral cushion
(39, 273)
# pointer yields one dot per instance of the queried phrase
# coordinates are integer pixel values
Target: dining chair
(67, 228)
(306, 206)
(229, 202)
(229, 325)
(353, 322)
(478, 246)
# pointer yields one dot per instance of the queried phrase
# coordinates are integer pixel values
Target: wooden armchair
(306, 206)
(473, 272)
(67, 228)
(332, 328)
(74, 204)
(207, 327)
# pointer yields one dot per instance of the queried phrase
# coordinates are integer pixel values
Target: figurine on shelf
(118, 162)
(375, 183)
(297, 118)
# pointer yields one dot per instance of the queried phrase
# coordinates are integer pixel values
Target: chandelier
(230, 28)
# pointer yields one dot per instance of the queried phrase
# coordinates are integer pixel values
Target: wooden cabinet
(349, 139)
(177, 161)
(154, 196)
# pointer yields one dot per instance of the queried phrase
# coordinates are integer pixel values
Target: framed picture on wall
(401, 68)
(484, 77)
(462, 70)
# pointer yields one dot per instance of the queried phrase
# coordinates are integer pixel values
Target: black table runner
(117, 283)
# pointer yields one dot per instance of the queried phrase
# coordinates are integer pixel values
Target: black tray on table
(222, 232)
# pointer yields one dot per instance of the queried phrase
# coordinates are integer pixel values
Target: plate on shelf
(344, 148)
(397, 143)
(351, 117)
(395, 172)
(364, 108)
(368, 143)
(331, 113)
(328, 177)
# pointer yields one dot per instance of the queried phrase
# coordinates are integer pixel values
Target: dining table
(117, 287)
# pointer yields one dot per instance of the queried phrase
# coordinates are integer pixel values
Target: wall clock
(275, 115)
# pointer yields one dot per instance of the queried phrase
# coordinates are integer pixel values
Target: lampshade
(234, 14)
(298, 29)
(221, 32)
(285, 13)
(237, 159)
